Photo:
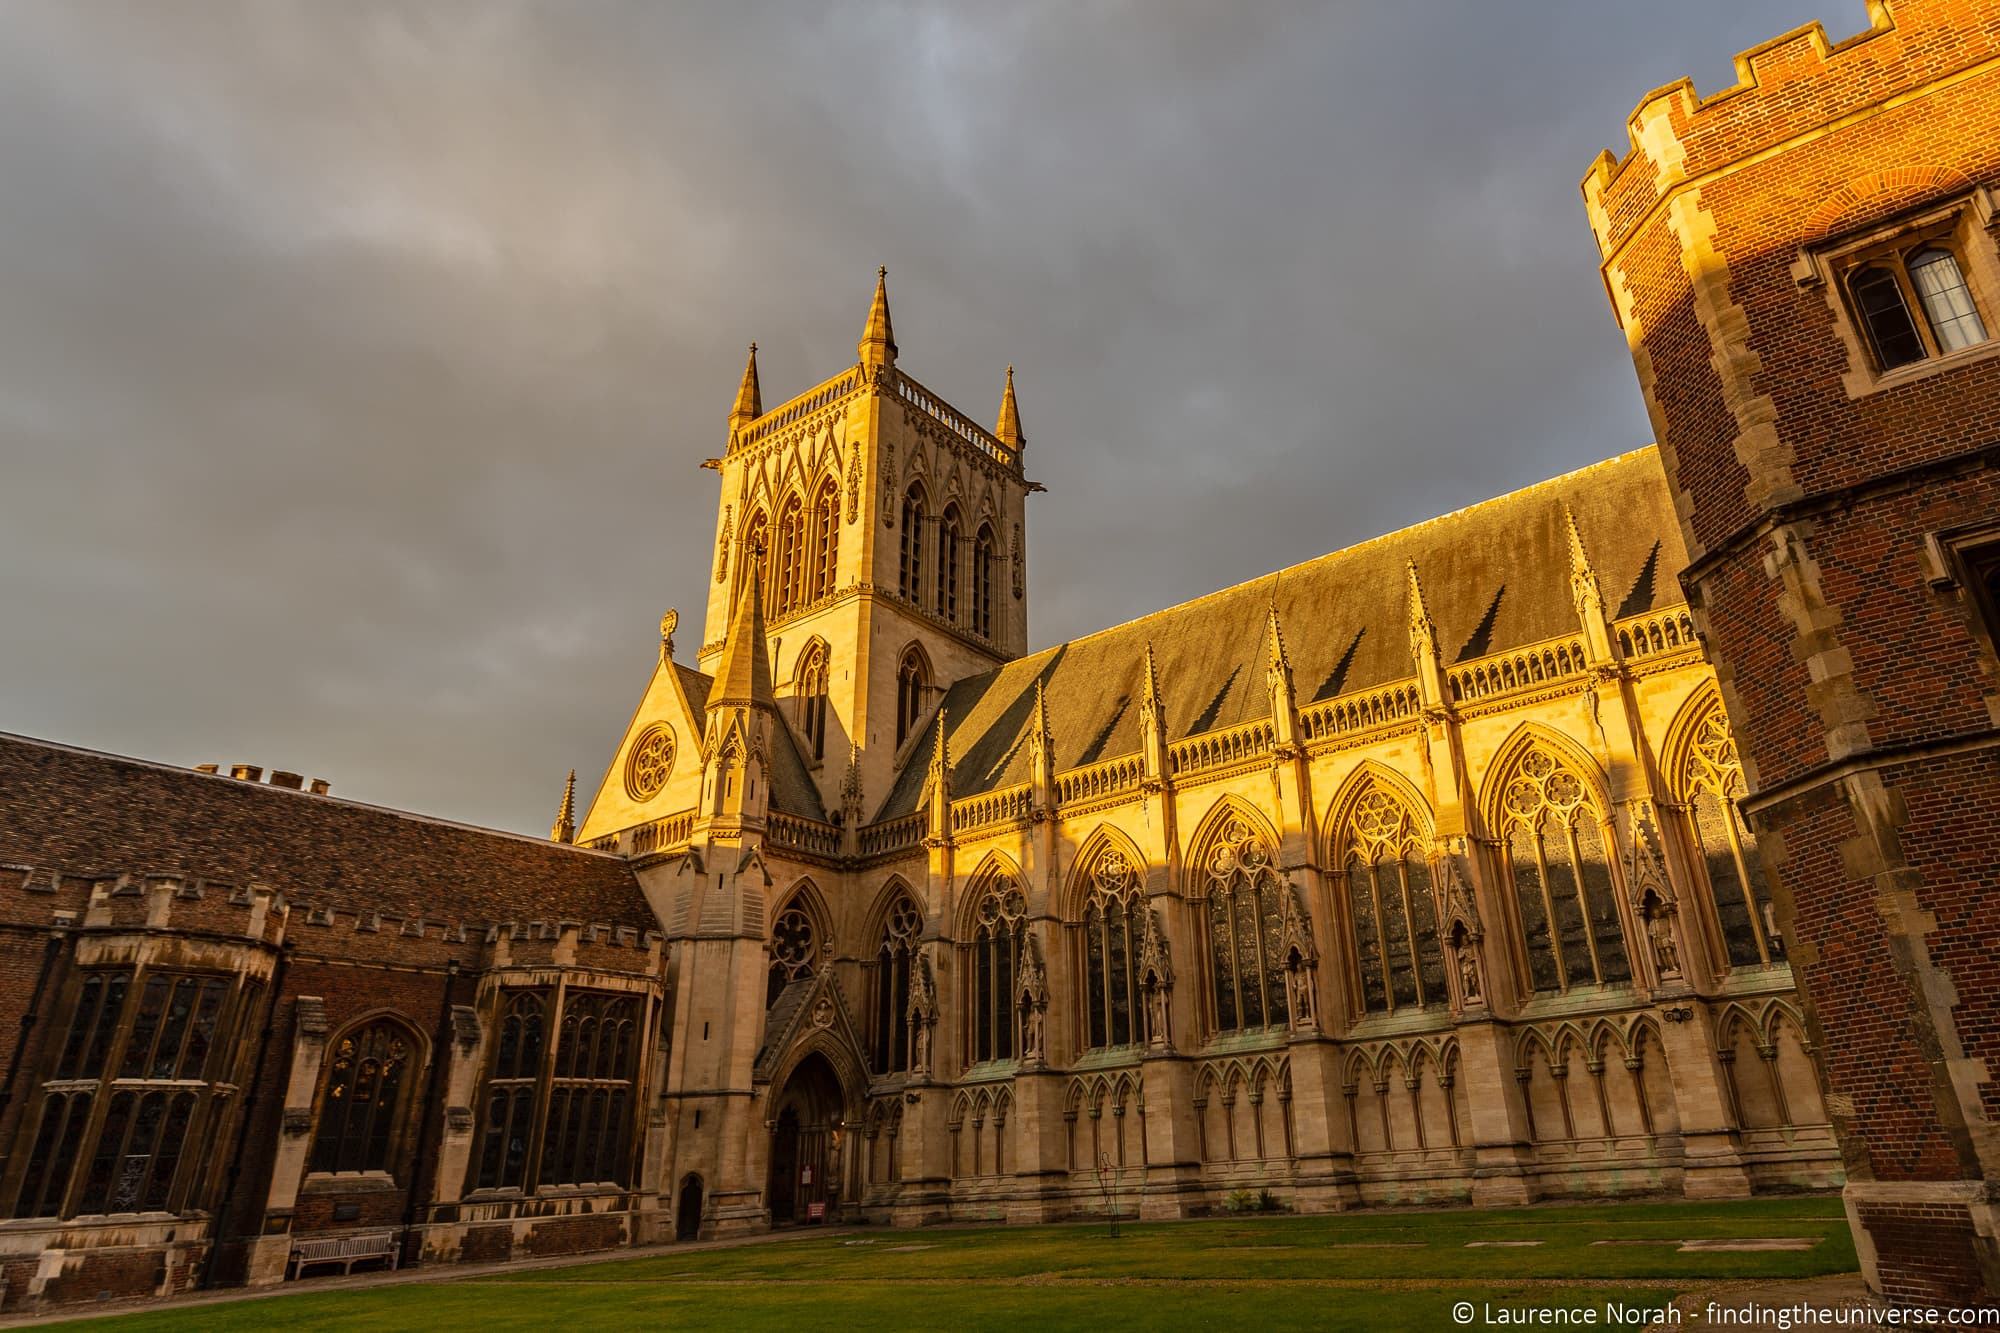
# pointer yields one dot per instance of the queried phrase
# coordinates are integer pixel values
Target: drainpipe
(441, 1049)
(50, 950)
(250, 1096)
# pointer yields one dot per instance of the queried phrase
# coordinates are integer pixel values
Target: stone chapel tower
(890, 528)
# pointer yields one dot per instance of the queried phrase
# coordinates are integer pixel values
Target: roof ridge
(243, 785)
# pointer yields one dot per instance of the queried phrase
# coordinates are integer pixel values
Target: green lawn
(1374, 1270)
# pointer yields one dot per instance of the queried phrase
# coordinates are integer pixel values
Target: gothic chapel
(1413, 873)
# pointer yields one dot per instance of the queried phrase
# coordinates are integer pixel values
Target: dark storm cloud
(356, 360)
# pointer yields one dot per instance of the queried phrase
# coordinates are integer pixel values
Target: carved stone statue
(1157, 1029)
(1468, 971)
(1666, 951)
(1034, 1033)
(922, 1014)
(1300, 979)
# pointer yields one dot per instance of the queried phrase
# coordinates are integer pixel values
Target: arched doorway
(804, 1143)
(687, 1212)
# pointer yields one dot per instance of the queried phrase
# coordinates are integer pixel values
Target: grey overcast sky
(357, 359)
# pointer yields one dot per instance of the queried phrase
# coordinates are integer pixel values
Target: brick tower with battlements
(1805, 267)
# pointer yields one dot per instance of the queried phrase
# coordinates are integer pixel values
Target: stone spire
(1041, 752)
(743, 672)
(749, 397)
(1008, 428)
(1278, 679)
(939, 784)
(1587, 595)
(1432, 688)
(564, 829)
(1152, 722)
(878, 340)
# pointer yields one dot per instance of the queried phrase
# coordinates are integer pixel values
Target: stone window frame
(1962, 559)
(403, 1129)
(552, 996)
(213, 1087)
(1967, 227)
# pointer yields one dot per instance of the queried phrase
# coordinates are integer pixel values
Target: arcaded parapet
(1805, 268)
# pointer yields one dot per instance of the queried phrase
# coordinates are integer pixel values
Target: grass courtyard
(1387, 1270)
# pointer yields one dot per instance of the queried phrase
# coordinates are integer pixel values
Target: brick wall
(1858, 690)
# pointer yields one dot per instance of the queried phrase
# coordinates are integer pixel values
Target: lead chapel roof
(1495, 576)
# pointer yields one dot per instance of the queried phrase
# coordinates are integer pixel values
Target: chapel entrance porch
(806, 1144)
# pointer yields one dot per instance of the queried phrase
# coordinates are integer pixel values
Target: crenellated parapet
(1791, 86)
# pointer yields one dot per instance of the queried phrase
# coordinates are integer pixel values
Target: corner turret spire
(564, 829)
(743, 672)
(878, 340)
(1008, 428)
(749, 396)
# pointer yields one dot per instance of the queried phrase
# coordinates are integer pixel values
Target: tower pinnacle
(1009, 426)
(564, 829)
(749, 397)
(878, 340)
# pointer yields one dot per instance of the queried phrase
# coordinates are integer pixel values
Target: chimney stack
(247, 772)
(280, 778)
(319, 787)
(206, 768)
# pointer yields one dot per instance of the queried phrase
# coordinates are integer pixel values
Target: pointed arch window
(1712, 781)
(984, 548)
(913, 679)
(756, 548)
(510, 1092)
(1245, 930)
(826, 540)
(788, 581)
(794, 949)
(364, 1102)
(893, 959)
(1111, 931)
(999, 934)
(949, 538)
(1389, 896)
(812, 700)
(910, 563)
(1555, 848)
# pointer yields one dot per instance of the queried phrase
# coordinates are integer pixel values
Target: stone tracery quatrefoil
(651, 764)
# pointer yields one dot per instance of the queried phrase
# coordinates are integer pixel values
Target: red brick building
(1805, 267)
(250, 1012)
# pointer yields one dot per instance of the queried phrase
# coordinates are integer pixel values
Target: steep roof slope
(1495, 576)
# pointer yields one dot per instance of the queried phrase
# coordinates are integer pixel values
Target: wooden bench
(346, 1251)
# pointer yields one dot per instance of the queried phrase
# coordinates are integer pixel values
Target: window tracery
(1554, 842)
(948, 542)
(788, 584)
(826, 541)
(913, 680)
(910, 562)
(1113, 929)
(135, 1077)
(794, 949)
(651, 764)
(561, 1114)
(1392, 903)
(1713, 781)
(363, 1102)
(812, 700)
(999, 933)
(1246, 926)
(983, 557)
(901, 928)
